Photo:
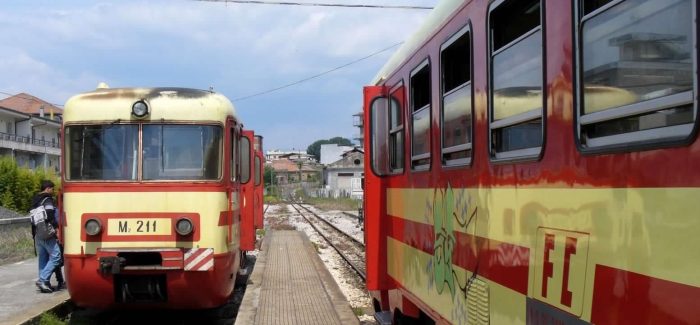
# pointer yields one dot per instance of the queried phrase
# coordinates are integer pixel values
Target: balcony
(16, 142)
(357, 121)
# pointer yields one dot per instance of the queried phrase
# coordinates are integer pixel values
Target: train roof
(432, 23)
(165, 103)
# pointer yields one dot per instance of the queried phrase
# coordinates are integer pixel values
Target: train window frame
(234, 156)
(415, 158)
(399, 129)
(378, 107)
(644, 139)
(520, 119)
(257, 163)
(245, 173)
(66, 159)
(221, 151)
(469, 84)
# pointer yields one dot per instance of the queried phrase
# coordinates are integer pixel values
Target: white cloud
(57, 49)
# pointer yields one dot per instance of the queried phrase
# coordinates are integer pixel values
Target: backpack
(39, 218)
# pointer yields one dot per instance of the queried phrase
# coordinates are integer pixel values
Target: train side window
(379, 136)
(635, 72)
(245, 159)
(420, 116)
(234, 155)
(258, 170)
(456, 112)
(516, 94)
(396, 134)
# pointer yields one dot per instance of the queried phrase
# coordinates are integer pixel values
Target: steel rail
(334, 226)
(348, 260)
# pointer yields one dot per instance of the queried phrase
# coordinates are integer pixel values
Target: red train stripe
(142, 187)
(621, 296)
(503, 263)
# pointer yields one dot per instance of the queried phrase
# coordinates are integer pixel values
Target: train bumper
(167, 278)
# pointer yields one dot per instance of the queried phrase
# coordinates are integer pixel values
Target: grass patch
(50, 319)
(358, 311)
(317, 247)
(343, 204)
(16, 243)
(271, 199)
(260, 232)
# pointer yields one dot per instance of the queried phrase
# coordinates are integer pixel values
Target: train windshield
(188, 152)
(169, 152)
(101, 152)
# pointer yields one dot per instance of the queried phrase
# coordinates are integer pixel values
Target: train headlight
(139, 109)
(93, 227)
(184, 227)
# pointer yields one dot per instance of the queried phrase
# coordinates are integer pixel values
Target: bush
(19, 184)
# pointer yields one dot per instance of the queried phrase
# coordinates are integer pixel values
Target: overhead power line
(311, 4)
(314, 76)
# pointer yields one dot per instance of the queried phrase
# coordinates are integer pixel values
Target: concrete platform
(20, 300)
(291, 285)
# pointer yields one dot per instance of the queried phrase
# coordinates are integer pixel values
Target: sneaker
(60, 286)
(43, 287)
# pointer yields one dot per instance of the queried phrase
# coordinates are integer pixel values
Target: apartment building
(29, 131)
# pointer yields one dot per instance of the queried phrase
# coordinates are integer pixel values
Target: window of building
(516, 95)
(420, 116)
(636, 74)
(396, 134)
(456, 112)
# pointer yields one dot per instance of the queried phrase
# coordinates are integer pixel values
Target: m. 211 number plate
(139, 226)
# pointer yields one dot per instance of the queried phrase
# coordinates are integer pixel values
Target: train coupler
(111, 264)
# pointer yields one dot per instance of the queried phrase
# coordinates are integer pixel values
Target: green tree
(314, 149)
(267, 175)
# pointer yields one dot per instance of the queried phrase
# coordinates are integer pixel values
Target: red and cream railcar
(151, 189)
(534, 161)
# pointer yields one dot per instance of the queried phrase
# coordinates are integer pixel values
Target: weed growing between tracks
(16, 243)
(327, 204)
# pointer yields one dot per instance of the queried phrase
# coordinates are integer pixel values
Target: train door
(247, 191)
(259, 184)
(233, 218)
(376, 166)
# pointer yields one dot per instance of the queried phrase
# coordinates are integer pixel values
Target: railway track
(349, 248)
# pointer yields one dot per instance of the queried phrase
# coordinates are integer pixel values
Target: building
(272, 155)
(332, 152)
(288, 171)
(357, 121)
(30, 131)
(344, 176)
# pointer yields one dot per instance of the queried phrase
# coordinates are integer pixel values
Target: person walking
(44, 233)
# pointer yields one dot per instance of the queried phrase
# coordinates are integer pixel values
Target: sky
(55, 49)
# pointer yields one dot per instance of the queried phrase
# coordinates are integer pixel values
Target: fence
(21, 139)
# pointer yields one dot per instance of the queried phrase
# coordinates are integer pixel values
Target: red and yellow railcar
(151, 197)
(534, 161)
